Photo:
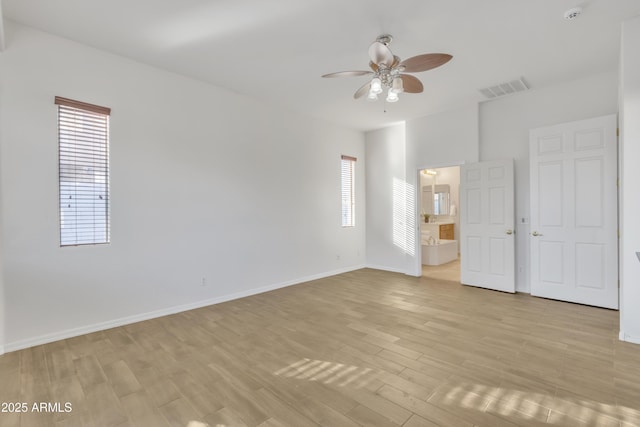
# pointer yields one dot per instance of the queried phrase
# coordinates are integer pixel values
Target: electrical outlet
(204, 281)
(524, 220)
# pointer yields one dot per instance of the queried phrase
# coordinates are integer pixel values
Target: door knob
(509, 232)
(536, 234)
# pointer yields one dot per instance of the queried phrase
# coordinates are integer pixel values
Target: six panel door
(574, 228)
(487, 225)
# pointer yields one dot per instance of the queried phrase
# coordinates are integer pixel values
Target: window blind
(348, 192)
(83, 147)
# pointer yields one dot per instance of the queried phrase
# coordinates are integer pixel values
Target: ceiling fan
(388, 71)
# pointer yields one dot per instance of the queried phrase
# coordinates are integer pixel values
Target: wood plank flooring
(366, 348)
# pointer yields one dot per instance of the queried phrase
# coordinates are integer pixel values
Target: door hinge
(617, 131)
(618, 283)
(617, 182)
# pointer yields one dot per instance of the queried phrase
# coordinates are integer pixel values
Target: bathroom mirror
(436, 203)
(441, 203)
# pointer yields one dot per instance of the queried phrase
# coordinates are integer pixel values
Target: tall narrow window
(83, 147)
(348, 191)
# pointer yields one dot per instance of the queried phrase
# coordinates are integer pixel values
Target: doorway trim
(415, 269)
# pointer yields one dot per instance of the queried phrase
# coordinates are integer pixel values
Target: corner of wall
(2, 38)
(114, 323)
(2, 304)
(385, 172)
(2, 315)
(628, 338)
(629, 104)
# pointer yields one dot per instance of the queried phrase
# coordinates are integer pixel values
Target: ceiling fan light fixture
(376, 86)
(396, 85)
(387, 71)
(392, 96)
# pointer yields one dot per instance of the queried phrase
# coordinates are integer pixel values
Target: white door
(574, 225)
(487, 225)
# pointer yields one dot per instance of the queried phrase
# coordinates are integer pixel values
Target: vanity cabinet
(446, 232)
(442, 231)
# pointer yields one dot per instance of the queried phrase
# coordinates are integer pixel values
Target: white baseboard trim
(101, 326)
(628, 338)
(385, 268)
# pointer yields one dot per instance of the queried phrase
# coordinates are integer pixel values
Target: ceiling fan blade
(425, 62)
(380, 54)
(411, 84)
(396, 61)
(347, 74)
(362, 91)
(373, 66)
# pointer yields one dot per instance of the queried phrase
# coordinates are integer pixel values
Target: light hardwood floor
(447, 272)
(367, 348)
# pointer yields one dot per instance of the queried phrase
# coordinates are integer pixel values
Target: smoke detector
(572, 13)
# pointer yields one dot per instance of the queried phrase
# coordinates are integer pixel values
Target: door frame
(416, 266)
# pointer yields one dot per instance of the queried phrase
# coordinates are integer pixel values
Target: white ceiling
(276, 50)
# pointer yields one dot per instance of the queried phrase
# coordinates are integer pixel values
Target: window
(83, 156)
(348, 191)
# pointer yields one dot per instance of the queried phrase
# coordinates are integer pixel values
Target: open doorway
(485, 213)
(439, 202)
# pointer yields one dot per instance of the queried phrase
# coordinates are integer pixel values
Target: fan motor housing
(385, 39)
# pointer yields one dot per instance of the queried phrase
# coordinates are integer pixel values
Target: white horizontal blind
(348, 193)
(83, 138)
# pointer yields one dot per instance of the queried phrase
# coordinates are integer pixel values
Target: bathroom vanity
(439, 230)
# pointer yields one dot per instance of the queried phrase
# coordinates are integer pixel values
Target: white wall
(630, 180)
(443, 139)
(504, 133)
(438, 140)
(386, 207)
(205, 183)
(394, 157)
(2, 303)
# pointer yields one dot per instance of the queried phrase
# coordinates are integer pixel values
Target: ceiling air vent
(504, 89)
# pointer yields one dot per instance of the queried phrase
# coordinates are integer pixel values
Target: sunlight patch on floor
(326, 372)
(199, 424)
(511, 403)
